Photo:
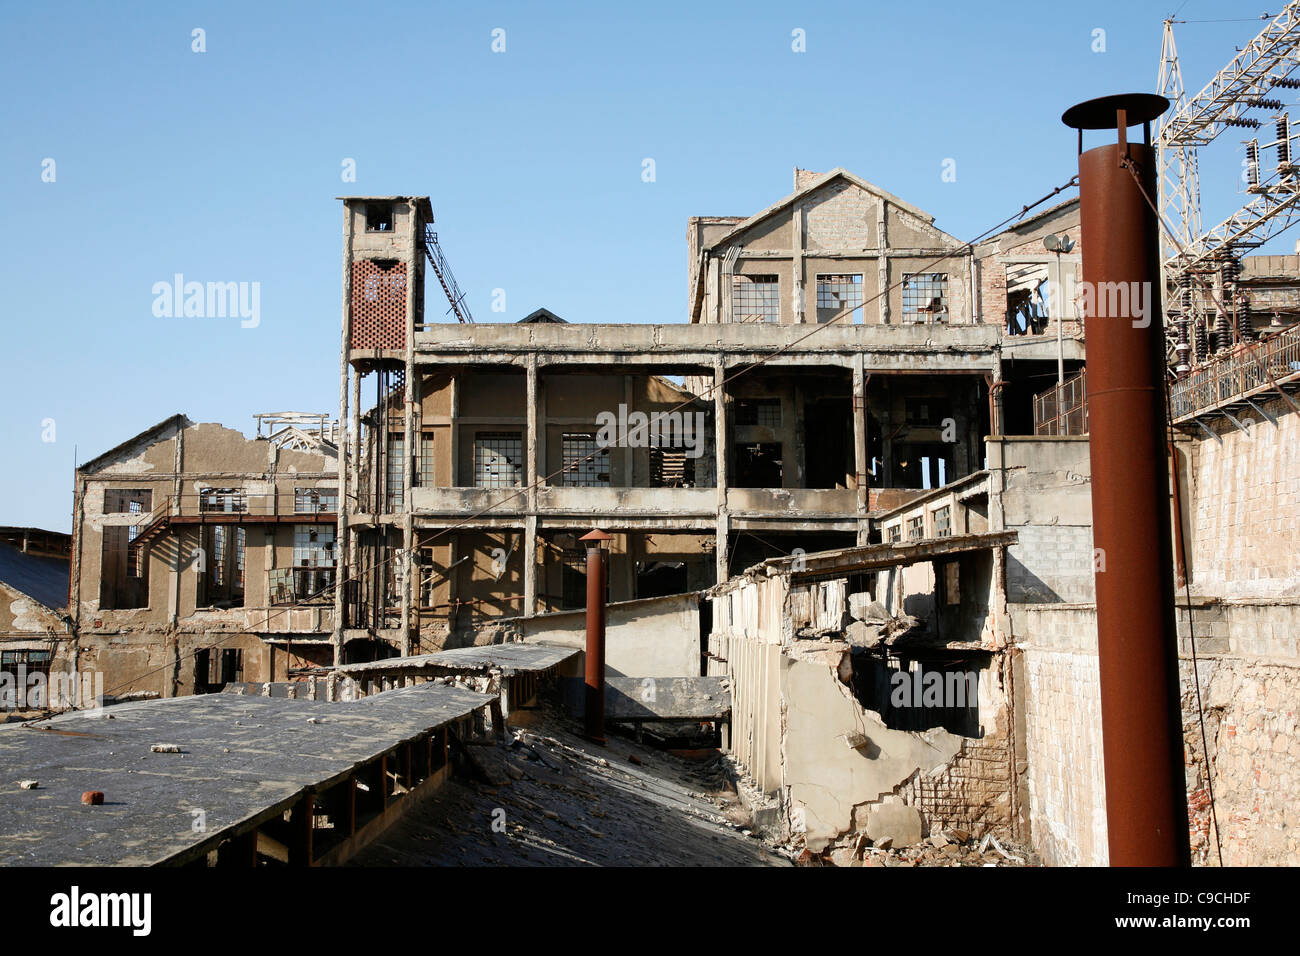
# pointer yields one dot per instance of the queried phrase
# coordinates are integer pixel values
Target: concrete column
(409, 430)
(629, 452)
(533, 467)
(453, 438)
(721, 452)
(860, 445)
(530, 565)
(798, 300)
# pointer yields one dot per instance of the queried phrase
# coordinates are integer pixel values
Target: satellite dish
(1066, 243)
(1052, 243)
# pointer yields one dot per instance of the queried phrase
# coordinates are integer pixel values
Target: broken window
(379, 217)
(758, 465)
(311, 501)
(755, 299)
(395, 472)
(426, 460)
(214, 671)
(312, 574)
(498, 459)
(765, 412)
(835, 293)
(916, 527)
(925, 297)
(127, 501)
(943, 521)
(1027, 298)
(18, 691)
(123, 571)
(224, 500)
(894, 533)
(585, 464)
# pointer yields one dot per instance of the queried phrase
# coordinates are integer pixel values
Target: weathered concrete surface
(658, 698)
(239, 757)
(652, 637)
(558, 800)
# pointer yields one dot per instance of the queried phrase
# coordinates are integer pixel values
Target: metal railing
(1063, 408)
(1236, 374)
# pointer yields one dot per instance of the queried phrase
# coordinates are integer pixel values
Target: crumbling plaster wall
(1245, 498)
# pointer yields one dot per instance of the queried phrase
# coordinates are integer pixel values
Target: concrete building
(202, 557)
(481, 452)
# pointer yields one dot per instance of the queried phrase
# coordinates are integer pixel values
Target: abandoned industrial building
(837, 521)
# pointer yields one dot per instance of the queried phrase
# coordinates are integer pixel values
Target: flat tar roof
(241, 758)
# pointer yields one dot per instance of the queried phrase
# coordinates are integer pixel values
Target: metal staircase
(442, 269)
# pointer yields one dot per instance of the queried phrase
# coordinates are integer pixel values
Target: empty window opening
(1027, 298)
(124, 572)
(119, 501)
(498, 459)
(925, 297)
(660, 578)
(379, 217)
(835, 293)
(585, 464)
(921, 694)
(221, 576)
(828, 443)
(758, 465)
(671, 468)
(922, 465)
(755, 298)
(764, 412)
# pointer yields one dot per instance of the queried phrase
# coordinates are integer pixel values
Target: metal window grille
(755, 299)
(925, 296)
(586, 465)
(498, 459)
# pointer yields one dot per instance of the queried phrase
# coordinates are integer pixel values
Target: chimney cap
(1100, 113)
(595, 534)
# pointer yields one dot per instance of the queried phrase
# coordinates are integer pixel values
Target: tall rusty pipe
(1142, 740)
(594, 684)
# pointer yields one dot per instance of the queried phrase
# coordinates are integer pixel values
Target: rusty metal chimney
(594, 691)
(1142, 739)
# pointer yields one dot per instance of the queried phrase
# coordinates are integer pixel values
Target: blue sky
(224, 165)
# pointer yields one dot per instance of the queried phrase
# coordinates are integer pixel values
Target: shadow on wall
(1025, 587)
